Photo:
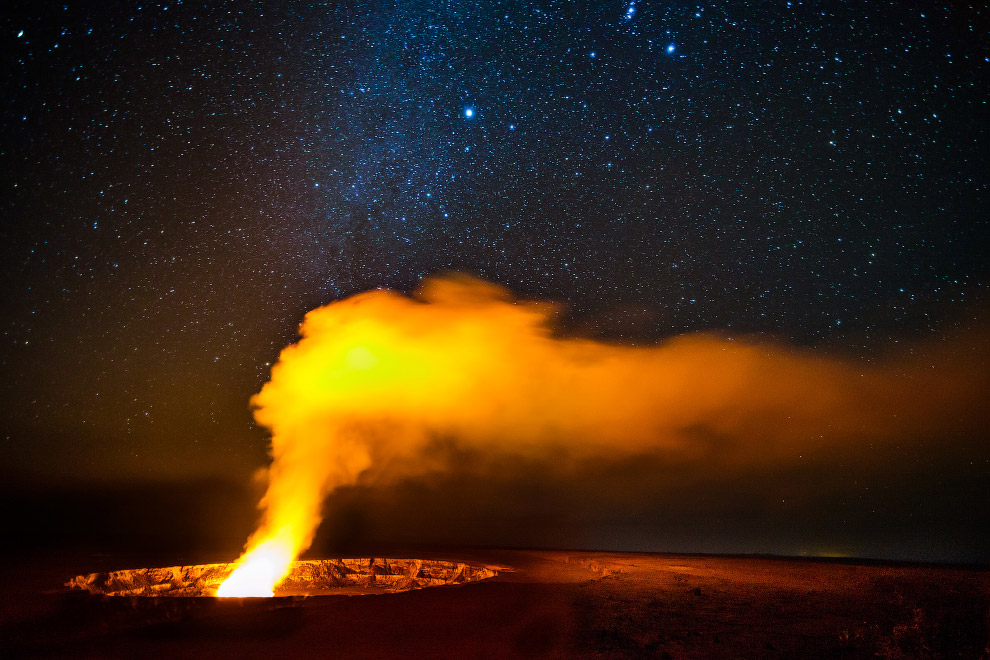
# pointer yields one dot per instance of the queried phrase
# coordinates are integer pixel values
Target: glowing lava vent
(318, 577)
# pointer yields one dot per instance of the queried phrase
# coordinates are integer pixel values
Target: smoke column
(378, 379)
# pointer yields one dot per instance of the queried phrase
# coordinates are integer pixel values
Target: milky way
(185, 180)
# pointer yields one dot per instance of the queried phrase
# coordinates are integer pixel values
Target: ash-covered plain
(551, 604)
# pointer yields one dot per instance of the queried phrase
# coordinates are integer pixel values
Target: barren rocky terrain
(551, 604)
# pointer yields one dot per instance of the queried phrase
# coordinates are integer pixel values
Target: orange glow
(379, 379)
(259, 570)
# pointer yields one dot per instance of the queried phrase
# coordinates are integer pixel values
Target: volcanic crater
(315, 577)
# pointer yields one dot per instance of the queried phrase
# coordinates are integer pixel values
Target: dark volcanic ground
(554, 604)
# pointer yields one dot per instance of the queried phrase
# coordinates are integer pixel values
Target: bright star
(468, 113)
(670, 48)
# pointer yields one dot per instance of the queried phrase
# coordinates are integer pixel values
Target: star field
(185, 180)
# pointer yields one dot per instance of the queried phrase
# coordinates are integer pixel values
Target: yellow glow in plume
(259, 570)
(377, 378)
(360, 358)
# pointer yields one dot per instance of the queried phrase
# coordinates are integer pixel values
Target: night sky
(183, 181)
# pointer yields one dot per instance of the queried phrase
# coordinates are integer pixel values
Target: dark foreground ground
(552, 605)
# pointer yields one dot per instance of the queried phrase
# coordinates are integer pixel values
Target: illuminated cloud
(380, 381)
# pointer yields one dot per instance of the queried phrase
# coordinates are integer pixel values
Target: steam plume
(379, 379)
